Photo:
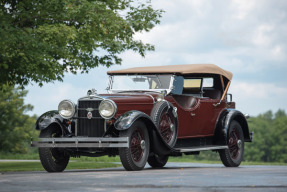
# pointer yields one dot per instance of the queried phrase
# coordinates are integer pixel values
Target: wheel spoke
(165, 127)
(233, 144)
(136, 149)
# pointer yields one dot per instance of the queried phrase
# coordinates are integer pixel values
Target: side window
(192, 83)
(208, 82)
(192, 87)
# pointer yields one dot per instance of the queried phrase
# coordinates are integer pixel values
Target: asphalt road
(175, 177)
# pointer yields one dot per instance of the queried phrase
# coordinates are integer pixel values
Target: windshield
(140, 82)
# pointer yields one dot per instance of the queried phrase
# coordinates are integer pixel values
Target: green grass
(36, 166)
(28, 156)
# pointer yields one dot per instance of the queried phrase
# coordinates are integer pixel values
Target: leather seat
(186, 102)
(213, 94)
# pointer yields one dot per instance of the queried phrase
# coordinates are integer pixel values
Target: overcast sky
(246, 37)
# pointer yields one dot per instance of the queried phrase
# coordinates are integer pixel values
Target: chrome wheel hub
(239, 144)
(171, 127)
(142, 144)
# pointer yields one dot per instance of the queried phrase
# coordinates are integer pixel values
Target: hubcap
(142, 144)
(239, 144)
(172, 127)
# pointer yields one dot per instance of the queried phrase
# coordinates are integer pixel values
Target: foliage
(41, 40)
(270, 138)
(16, 128)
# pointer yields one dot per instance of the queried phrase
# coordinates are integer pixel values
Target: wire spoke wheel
(135, 157)
(53, 159)
(233, 156)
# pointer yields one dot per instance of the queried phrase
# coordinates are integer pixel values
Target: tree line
(270, 138)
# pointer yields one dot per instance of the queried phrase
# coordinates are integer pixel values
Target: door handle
(192, 114)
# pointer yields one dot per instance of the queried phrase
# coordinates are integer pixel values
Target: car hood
(136, 98)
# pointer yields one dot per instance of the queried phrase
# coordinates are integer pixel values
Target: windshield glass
(140, 82)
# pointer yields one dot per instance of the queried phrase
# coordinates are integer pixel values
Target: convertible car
(147, 115)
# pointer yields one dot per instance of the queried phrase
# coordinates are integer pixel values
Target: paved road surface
(175, 177)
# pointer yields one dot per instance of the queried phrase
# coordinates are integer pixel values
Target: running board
(206, 148)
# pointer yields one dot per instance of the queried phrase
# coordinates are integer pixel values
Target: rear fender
(223, 124)
(158, 145)
(52, 118)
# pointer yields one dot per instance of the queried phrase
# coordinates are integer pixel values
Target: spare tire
(164, 116)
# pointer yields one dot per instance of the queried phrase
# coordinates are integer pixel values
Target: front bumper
(82, 142)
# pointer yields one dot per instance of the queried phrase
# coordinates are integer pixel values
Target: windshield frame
(111, 80)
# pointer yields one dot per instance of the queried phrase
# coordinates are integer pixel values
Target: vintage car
(148, 114)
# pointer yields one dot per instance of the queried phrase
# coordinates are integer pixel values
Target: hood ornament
(92, 93)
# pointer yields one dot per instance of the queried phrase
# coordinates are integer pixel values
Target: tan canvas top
(176, 69)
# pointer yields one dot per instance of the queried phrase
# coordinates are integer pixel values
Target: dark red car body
(148, 125)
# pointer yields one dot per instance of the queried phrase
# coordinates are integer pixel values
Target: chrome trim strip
(183, 150)
(105, 126)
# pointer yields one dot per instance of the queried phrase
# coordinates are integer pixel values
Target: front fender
(51, 117)
(128, 118)
(158, 145)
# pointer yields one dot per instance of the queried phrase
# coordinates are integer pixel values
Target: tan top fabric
(176, 69)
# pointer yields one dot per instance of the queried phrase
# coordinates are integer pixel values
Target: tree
(279, 135)
(16, 128)
(41, 40)
(270, 138)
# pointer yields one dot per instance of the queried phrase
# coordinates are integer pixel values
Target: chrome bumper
(82, 142)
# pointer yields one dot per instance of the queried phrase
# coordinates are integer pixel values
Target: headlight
(107, 109)
(66, 109)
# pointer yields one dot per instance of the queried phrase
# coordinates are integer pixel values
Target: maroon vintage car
(148, 114)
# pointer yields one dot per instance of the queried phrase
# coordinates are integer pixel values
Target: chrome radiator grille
(93, 127)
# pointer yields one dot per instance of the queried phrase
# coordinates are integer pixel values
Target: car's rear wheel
(53, 159)
(233, 156)
(135, 157)
(166, 121)
(157, 161)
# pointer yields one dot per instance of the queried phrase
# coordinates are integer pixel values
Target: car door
(197, 112)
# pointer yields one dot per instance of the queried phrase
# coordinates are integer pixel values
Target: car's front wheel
(135, 157)
(233, 156)
(53, 159)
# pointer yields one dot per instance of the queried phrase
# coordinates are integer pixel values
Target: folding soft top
(176, 69)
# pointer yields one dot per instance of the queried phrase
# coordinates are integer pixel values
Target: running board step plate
(206, 148)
